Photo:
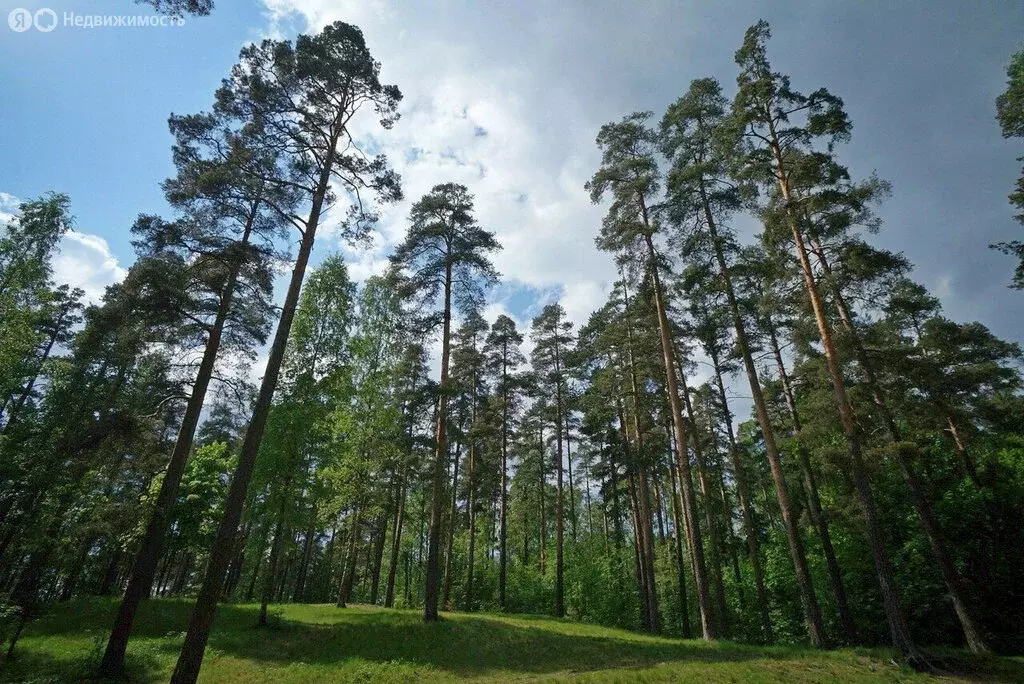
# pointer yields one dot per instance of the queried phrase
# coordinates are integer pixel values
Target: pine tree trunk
(572, 488)
(471, 504)
(890, 595)
(543, 534)
(746, 509)
(560, 501)
(656, 483)
(818, 516)
(696, 545)
(648, 552)
(731, 545)
(903, 453)
(144, 569)
(503, 508)
(646, 548)
(452, 524)
(677, 535)
(440, 459)
(643, 590)
(721, 612)
(190, 659)
(809, 600)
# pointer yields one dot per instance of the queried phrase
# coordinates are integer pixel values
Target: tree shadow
(43, 666)
(466, 645)
(460, 645)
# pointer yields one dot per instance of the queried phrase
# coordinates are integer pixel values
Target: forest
(769, 438)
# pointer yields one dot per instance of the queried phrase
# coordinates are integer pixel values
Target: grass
(315, 643)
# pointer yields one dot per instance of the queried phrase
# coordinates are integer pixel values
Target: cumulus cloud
(522, 148)
(85, 261)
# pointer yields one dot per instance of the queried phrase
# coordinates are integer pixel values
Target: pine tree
(227, 230)
(763, 114)
(445, 255)
(303, 96)
(629, 172)
(504, 358)
(551, 338)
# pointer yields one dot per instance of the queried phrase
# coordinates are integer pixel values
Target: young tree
(446, 256)
(303, 97)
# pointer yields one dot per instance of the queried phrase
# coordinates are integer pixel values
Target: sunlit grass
(317, 643)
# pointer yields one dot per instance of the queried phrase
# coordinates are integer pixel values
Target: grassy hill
(316, 643)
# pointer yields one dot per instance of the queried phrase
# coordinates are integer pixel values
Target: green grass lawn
(321, 643)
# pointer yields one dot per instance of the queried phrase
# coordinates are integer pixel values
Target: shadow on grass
(460, 645)
(73, 661)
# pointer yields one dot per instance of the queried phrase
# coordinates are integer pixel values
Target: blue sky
(507, 97)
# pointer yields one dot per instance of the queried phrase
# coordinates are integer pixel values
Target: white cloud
(85, 261)
(8, 206)
(475, 116)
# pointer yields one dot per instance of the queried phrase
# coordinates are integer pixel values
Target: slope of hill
(315, 643)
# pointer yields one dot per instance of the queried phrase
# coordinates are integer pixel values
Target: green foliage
(1010, 114)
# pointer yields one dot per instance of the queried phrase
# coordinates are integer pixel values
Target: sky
(507, 98)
